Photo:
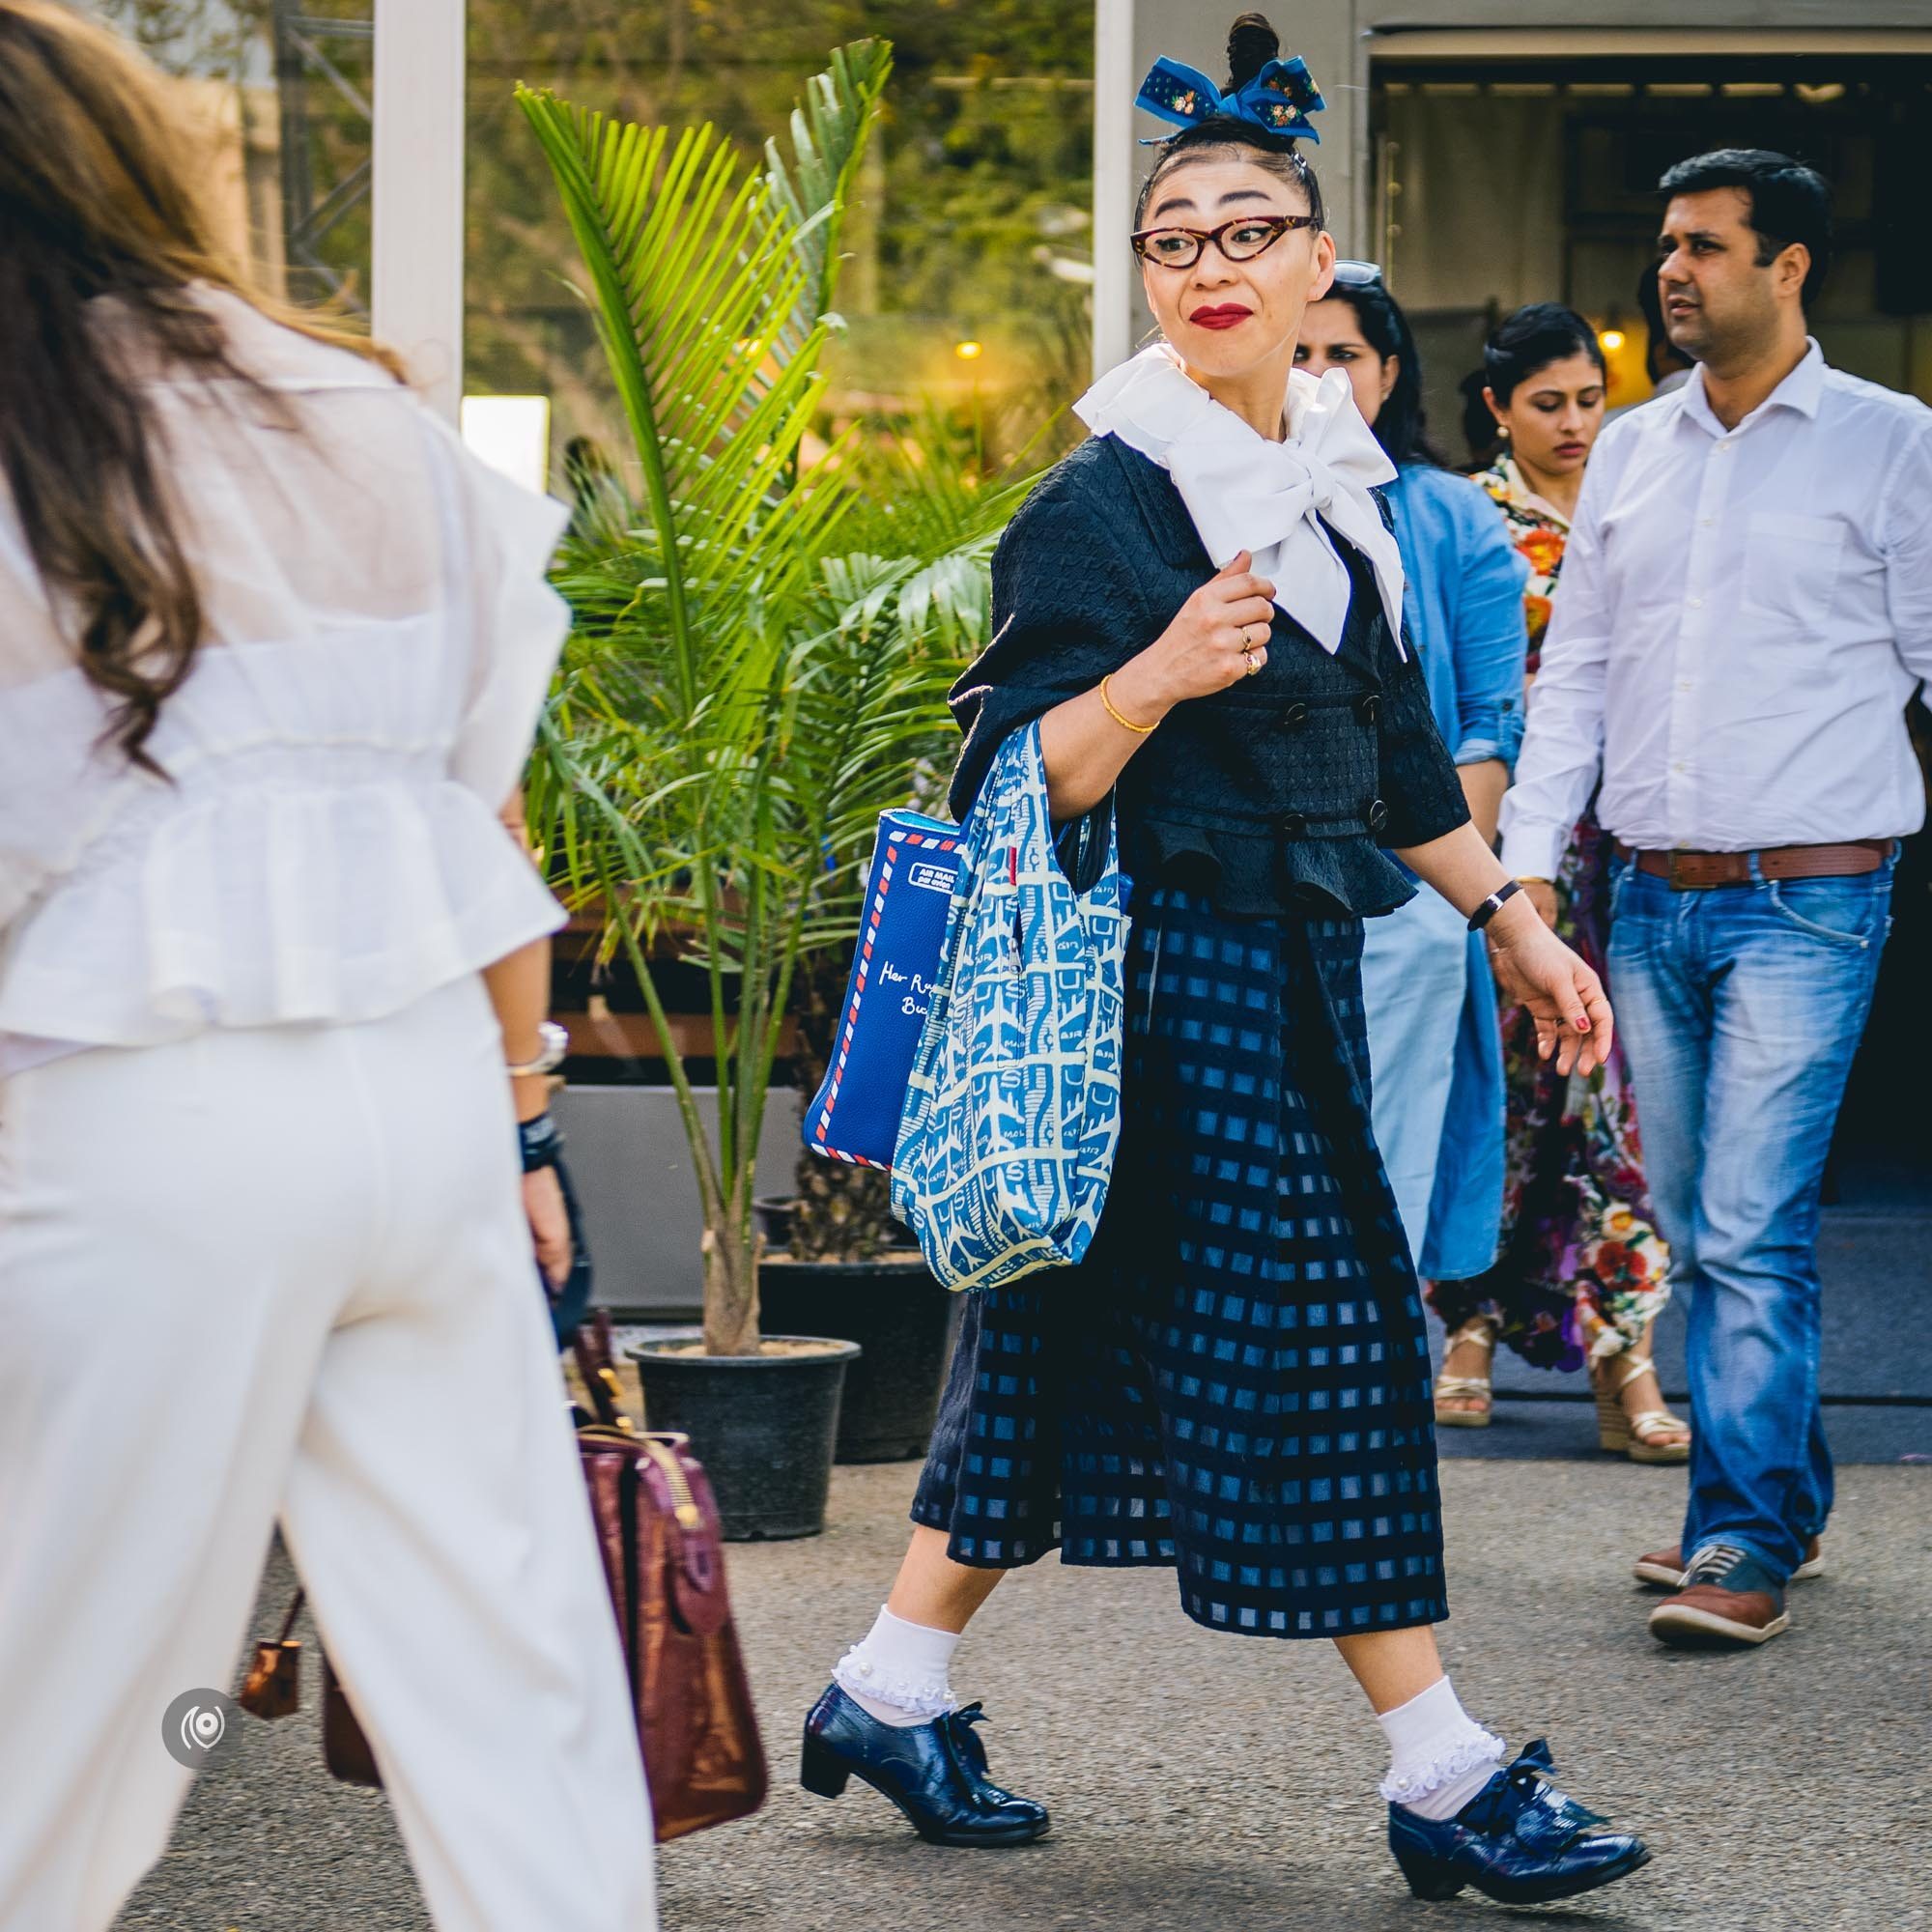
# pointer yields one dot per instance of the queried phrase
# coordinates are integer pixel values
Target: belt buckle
(1685, 876)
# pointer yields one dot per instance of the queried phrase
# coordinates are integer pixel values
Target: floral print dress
(1581, 1270)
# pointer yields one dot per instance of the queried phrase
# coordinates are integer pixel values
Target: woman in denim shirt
(1431, 1007)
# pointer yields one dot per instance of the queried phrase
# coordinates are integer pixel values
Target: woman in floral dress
(1582, 1272)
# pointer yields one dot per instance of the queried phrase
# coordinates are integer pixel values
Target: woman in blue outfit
(1202, 609)
(1432, 1002)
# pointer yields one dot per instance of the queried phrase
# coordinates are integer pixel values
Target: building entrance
(1502, 181)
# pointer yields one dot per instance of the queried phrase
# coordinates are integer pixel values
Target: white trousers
(285, 1273)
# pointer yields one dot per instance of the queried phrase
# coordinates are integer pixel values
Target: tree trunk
(730, 1293)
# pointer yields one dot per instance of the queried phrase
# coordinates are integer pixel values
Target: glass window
(1572, 150)
(278, 95)
(969, 280)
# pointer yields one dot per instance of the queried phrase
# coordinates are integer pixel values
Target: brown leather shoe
(1727, 1597)
(1664, 1568)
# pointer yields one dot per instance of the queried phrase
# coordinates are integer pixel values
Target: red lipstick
(1221, 315)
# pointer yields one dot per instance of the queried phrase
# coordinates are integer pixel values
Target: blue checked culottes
(1236, 1380)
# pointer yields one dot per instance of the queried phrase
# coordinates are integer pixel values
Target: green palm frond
(695, 276)
(761, 650)
(828, 139)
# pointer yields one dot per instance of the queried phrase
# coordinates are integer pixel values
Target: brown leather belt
(1698, 871)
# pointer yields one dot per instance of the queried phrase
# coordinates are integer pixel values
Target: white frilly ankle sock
(1442, 1757)
(899, 1673)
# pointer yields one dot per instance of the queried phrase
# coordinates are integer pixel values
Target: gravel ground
(1205, 1783)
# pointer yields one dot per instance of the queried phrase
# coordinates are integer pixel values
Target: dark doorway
(1508, 181)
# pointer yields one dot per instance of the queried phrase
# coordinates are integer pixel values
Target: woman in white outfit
(271, 649)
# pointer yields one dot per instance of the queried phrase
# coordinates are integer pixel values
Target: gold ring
(1254, 664)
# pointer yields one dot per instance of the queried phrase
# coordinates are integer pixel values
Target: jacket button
(1296, 714)
(1368, 709)
(1293, 824)
(1377, 816)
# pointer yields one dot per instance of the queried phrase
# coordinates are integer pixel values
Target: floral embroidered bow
(1280, 98)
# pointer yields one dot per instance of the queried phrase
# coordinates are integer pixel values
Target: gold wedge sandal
(1479, 1329)
(1638, 1436)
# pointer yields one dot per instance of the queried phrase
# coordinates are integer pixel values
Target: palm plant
(753, 676)
(925, 483)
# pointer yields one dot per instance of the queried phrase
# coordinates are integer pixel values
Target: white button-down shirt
(1742, 616)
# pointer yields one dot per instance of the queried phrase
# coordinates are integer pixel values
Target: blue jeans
(1741, 1007)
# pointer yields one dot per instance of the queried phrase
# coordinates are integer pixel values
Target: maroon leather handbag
(663, 1556)
(664, 1559)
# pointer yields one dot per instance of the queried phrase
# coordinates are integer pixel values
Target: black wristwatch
(1493, 904)
(541, 1141)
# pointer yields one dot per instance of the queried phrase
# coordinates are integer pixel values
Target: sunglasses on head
(1358, 274)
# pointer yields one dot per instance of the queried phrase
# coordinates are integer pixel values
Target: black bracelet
(541, 1142)
(1493, 904)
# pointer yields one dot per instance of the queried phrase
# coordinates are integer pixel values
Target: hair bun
(1251, 44)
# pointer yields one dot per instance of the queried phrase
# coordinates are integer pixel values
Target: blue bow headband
(1279, 99)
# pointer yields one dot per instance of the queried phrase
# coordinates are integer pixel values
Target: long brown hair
(97, 199)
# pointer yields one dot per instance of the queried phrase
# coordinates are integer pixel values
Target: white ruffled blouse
(327, 846)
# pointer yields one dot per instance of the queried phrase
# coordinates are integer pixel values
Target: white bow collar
(1270, 499)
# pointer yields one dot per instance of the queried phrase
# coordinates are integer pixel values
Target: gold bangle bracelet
(1125, 723)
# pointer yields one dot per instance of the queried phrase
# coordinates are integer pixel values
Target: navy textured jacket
(1275, 795)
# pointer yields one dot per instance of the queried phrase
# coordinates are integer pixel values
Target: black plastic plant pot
(774, 1214)
(763, 1426)
(901, 1318)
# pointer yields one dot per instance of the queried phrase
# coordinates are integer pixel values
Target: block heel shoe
(1428, 1877)
(820, 1773)
(935, 1774)
(1518, 1842)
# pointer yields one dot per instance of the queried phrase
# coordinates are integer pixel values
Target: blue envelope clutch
(855, 1115)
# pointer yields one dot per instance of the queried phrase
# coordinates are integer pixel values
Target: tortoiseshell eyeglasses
(1238, 240)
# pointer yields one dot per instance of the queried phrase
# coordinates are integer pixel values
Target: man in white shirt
(1746, 610)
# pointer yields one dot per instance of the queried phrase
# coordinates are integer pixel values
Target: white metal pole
(1114, 80)
(416, 270)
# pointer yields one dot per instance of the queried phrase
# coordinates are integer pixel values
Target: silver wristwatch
(550, 1056)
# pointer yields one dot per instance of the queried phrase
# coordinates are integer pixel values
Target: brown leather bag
(664, 1559)
(273, 1689)
(663, 1556)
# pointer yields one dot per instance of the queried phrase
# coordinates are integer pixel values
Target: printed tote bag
(1013, 1109)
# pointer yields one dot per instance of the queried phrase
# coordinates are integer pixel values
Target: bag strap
(1081, 846)
(591, 1346)
(629, 1477)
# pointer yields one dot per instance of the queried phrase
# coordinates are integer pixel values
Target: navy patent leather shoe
(935, 1774)
(1518, 1842)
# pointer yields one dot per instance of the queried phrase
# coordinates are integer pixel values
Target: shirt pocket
(1791, 567)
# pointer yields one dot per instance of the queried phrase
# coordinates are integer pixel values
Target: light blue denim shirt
(1442, 1124)
(1463, 598)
